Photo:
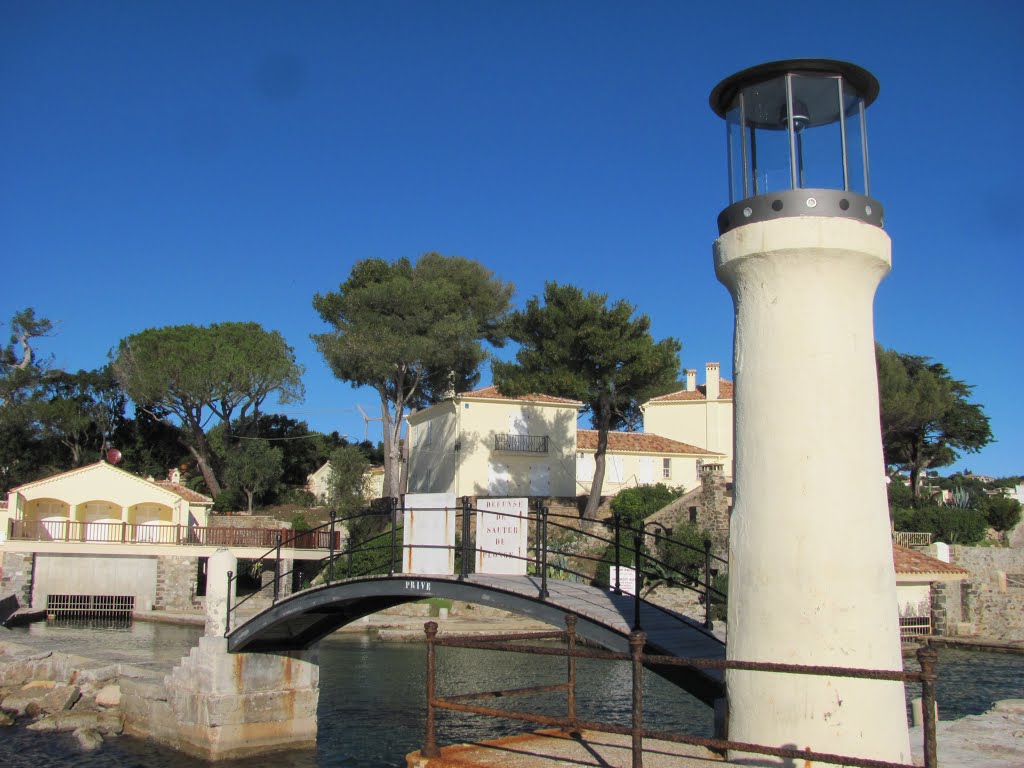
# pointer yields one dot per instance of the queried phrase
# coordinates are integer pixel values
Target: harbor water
(371, 711)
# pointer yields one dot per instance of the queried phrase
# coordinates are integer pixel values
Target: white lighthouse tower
(802, 251)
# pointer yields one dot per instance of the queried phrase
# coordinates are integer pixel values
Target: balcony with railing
(71, 531)
(511, 443)
(912, 539)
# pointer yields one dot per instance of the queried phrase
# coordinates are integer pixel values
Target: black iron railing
(522, 643)
(563, 547)
(521, 443)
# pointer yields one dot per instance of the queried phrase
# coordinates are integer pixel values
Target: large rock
(107, 723)
(109, 696)
(88, 739)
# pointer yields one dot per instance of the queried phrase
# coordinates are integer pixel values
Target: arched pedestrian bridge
(604, 618)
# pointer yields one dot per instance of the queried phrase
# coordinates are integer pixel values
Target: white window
(615, 468)
(646, 470)
(497, 479)
(584, 467)
(540, 480)
(666, 468)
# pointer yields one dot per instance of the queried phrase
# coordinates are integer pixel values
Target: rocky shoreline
(59, 692)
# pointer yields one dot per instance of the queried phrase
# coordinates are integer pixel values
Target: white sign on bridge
(428, 533)
(627, 579)
(501, 531)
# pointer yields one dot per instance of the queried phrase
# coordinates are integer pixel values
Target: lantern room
(797, 141)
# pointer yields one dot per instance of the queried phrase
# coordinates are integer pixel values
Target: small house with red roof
(640, 458)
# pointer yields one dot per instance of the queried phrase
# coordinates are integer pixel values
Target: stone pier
(219, 705)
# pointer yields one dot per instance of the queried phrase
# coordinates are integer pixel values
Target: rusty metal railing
(927, 657)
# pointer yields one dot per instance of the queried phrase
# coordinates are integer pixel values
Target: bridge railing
(560, 546)
(469, 702)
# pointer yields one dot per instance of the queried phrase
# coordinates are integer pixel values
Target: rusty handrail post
(393, 504)
(928, 657)
(636, 650)
(227, 617)
(707, 583)
(570, 637)
(618, 558)
(544, 554)
(277, 569)
(330, 544)
(638, 577)
(464, 565)
(430, 741)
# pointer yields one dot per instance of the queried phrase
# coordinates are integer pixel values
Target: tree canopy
(255, 467)
(412, 332)
(576, 345)
(194, 374)
(927, 419)
(81, 411)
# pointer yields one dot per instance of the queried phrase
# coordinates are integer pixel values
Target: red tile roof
(637, 442)
(910, 561)
(700, 393)
(492, 393)
(186, 493)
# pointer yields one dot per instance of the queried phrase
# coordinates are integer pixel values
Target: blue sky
(193, 162)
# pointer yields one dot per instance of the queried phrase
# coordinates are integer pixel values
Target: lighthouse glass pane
(739, 186)
(856, 149)
(765, 116)
(770, 161)
(818, 139)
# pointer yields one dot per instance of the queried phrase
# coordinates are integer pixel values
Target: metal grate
(915, 626)
(912, 539)
(90, 606)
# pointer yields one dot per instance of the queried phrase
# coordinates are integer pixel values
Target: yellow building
(637, 458)
(482, 443)
(696, 415)
(100, 502)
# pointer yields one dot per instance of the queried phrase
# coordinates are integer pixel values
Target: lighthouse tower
(802, 251)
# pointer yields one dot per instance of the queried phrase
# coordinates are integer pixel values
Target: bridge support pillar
(221, 705)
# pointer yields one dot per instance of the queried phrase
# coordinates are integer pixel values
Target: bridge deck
(605, 619)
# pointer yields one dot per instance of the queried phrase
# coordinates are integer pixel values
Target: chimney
(174, 475)
(711, 380)
(691, 379)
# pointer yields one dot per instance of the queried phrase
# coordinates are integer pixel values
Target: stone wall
(176, 584)
(16, 571)
(992, 599)
(709, 506)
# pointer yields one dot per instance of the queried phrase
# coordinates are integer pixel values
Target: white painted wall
(85, 575)
(803, 288)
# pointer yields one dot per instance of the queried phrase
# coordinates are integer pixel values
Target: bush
(300, 497)
(230, 500)
(634, 505)
(299, 523)
(683, 552)
(949, 524)
(1001, 512)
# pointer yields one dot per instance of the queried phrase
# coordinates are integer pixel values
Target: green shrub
(683, 552)
(230, 500)
(299, 523)
(634, 505)
(1001, 512)
(949, 524)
